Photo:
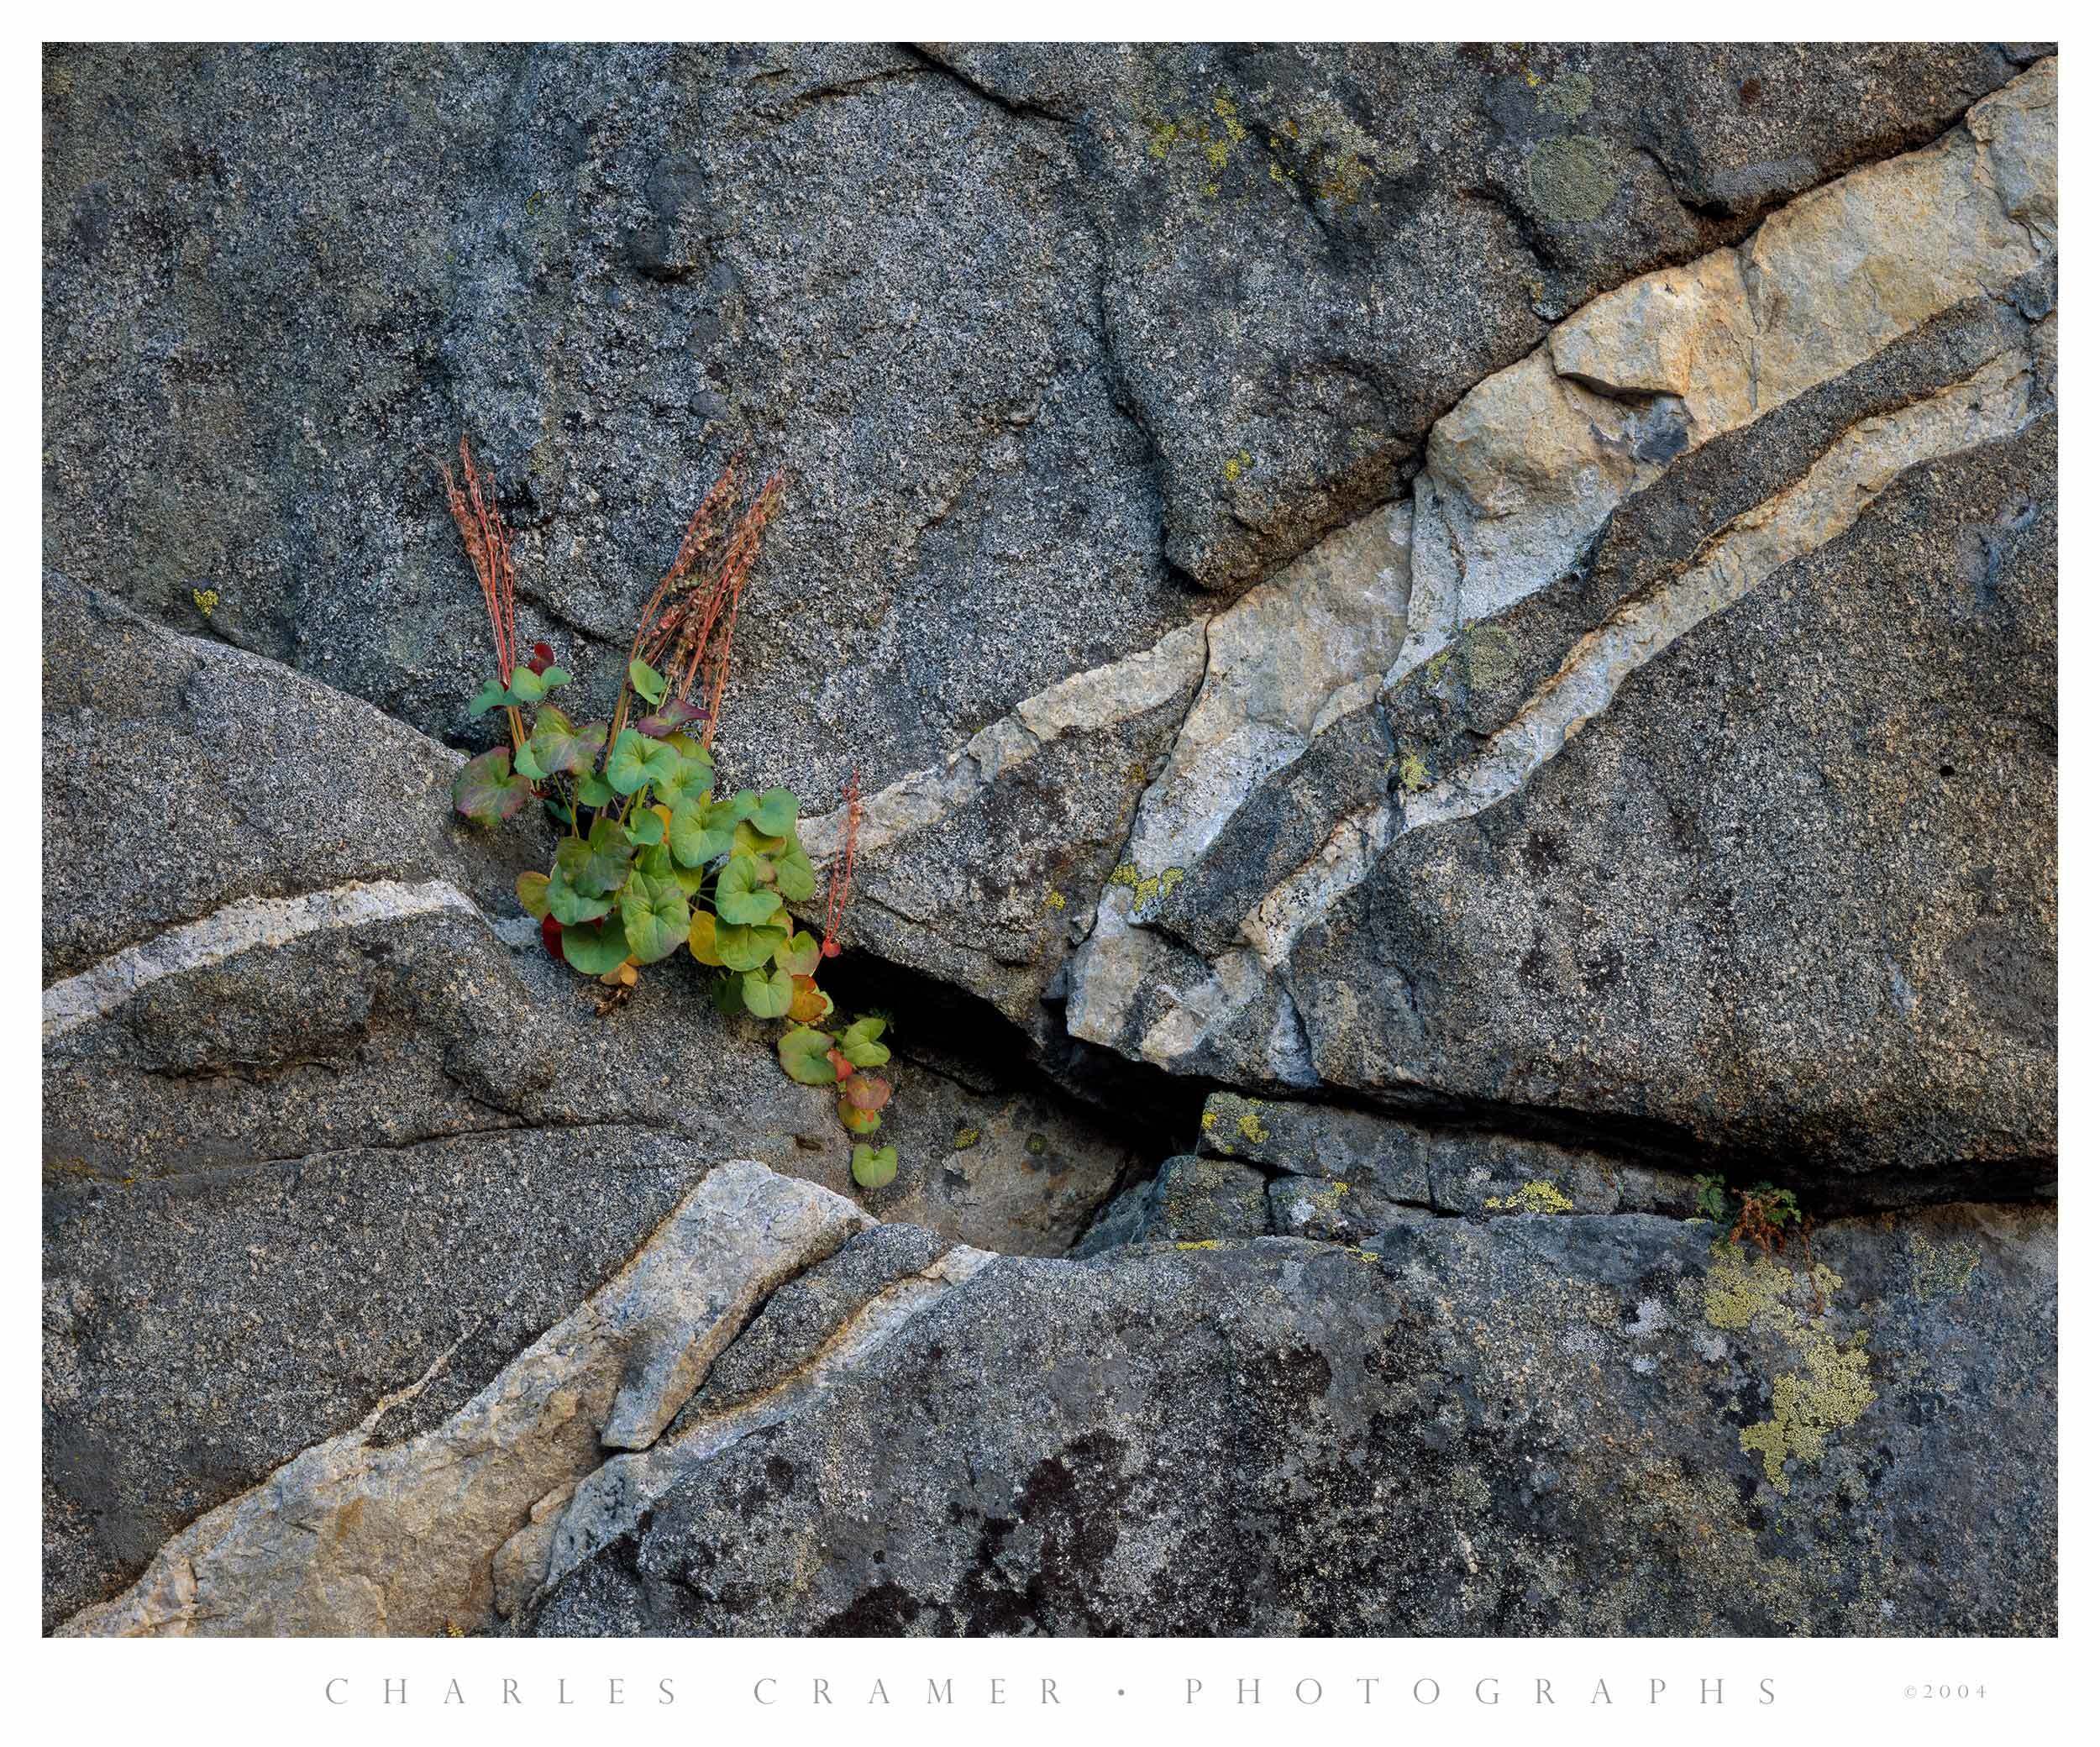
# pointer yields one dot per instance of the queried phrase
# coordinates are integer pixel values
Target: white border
(1822, 1689)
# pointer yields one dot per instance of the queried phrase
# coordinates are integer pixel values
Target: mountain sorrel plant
(650, 859)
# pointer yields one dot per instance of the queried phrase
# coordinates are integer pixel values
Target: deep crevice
(963, 1038)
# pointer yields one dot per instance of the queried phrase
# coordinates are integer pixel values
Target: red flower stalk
(488, 544)
(842, 869)
(690, 623)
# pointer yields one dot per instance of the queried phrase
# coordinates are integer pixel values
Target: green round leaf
(560, 747)
(646, 826)
(805, 1055)
(490, 697)
(527, 687)
(636, 761)
(793, 877)
(858, 1045)
(657, 917)
(554, 676)
(593, 790)
(858, 1121)
(745, 948)
(525, 764)
(598, 865)
(690, 780)
(775, 814)
(799, 954)
(699, 831)
(874, 1167)
(768, 996)
(570, 906)
(532, 893)
(750, 841)
(485, 791)
(596, 948)
(646, 680)
(739, 897)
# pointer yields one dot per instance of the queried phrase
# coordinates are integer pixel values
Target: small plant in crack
(652, 856)
(1762, 1214)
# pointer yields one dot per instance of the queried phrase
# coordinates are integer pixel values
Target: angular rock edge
(355, 1538)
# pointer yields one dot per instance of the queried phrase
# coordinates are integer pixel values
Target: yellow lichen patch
(1124, 874)
(1053, 899)
(206, 599)
(1536, 1197)
(1209, 1120)
(1207, 1243)
(1828, 1394)
(965, 1138)
(1230, 115)
(1747, 1292)
(1170, 878)
(1234, 465)
(1414, 773)
(1251, 1128)
(1743, 1285)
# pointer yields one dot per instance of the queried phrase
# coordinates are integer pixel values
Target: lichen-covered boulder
(1577, 1423)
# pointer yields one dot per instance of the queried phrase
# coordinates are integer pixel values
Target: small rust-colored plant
(1765, 1215)
(651, 859)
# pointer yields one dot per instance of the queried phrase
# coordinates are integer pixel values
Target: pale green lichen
(1414, 773)
(1942, 1271)
(1570, 95)
(1573, 179)
(1485, 656)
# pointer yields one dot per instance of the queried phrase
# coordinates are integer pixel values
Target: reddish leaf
(811, 1003)
(550, 937)
(865, 1091)
(543, 659)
